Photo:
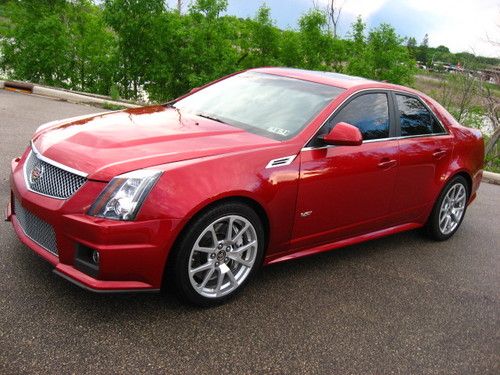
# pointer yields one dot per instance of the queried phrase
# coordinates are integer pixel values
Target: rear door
(347, 190)
(425, 150)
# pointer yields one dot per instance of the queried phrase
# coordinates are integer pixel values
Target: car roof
(334, 79)
(329, 78)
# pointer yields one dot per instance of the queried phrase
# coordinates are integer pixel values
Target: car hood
(106, 145)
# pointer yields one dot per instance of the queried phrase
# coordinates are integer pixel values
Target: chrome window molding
(422, 135)
(57, 164)
(394, 91)
(380, 140)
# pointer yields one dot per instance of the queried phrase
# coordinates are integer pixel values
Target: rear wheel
(218, 254)
(449, 210)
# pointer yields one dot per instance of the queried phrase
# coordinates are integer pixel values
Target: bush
(142, 49)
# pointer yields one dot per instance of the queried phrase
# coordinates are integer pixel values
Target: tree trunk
(493, 141)
(82, 75)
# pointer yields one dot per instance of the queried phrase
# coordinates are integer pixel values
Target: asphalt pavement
(401, 304)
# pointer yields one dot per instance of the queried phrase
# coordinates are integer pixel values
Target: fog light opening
(95, 257)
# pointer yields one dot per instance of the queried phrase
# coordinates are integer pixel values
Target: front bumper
(132, 255)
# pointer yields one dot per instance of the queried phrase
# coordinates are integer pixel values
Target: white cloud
(467, 27)
(363, 8)
(461, 25)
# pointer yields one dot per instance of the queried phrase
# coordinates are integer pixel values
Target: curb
(75, 97)
(492, 178)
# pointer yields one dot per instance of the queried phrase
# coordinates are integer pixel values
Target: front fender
(187, 187)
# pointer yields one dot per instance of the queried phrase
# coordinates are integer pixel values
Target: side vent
(287, 160)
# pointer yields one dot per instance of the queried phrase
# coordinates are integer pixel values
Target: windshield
(273, 106)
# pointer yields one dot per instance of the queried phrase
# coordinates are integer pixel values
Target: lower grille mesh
(35, 228)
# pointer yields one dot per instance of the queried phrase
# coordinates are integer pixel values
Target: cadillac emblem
(36, 173)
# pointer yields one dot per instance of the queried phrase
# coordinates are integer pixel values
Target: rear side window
(369, 113)
(415, 118)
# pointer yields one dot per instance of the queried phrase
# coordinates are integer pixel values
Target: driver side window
(368, 112)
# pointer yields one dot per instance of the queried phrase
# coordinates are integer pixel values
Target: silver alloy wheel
(223, 256)
(452, 208)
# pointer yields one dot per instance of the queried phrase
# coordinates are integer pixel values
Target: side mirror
(343, 134)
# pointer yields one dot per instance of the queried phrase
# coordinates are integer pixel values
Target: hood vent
(287, 160)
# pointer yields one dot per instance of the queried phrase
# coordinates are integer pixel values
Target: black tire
(432, 227)
(179, 262)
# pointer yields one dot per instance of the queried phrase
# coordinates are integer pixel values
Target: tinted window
(270, 105)
(369, 113)
(415, 118)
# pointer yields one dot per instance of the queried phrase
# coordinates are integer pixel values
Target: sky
(461, 25)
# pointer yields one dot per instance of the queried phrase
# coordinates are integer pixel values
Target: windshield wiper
(211, 117)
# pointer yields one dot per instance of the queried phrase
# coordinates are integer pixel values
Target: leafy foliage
(141, 48)
(380, 55)
(37, 47)
(314, 40)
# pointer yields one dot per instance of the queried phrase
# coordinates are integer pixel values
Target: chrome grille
(47, 179)
(35, 228)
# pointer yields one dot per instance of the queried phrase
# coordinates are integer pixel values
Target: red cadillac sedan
(256, 168)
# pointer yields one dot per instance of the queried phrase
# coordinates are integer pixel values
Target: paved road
(402, 304)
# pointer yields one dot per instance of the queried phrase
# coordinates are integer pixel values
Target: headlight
(123, 196)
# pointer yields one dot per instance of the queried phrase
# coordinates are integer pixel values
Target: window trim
(398, 117)
(347, 101)
(392, 103)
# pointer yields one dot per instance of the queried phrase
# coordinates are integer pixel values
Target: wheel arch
(431, 220)
(252, 203)
(466, 175)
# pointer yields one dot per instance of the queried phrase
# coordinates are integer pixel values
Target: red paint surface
(354, 193)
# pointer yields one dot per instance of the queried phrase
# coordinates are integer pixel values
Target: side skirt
(277, 258)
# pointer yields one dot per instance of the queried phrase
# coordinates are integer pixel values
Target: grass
(112, 107)
(495, 168)
(430, 84)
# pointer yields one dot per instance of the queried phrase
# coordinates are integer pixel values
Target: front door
(347, 190)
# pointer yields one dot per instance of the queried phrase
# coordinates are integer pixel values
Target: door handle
(386, 163)
(439, 153)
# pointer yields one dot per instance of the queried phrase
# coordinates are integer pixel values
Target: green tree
(411, 44)
(209, 51)
(264, 38)
(290, 51)
(211, 9)
(338, 53)
(163, 77)
(357, 63)
(389, 59)
(93, 48)
(423, 50)
(314, 39)
(37, 46)
(381, 56)
(133, 22)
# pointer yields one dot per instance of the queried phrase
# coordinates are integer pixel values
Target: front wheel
(449, 210)
(217, 254)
